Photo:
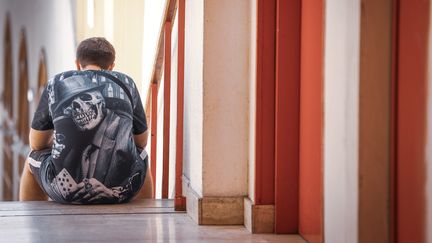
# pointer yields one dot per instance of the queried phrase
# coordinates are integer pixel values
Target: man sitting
(88, 135)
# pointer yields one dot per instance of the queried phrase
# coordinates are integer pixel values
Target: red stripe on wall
(287, 116)
(393, 125)
(411, 127)
(311, 122)
(265, 103)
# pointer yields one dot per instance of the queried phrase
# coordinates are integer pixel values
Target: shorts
(42, 167)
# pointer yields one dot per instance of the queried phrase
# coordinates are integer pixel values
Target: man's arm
(141, 139)
(147, 189)
(29, 188)
(40, 139)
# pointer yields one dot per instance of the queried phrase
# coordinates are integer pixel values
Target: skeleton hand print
(91, 190)
(57, 145)
(86, 110)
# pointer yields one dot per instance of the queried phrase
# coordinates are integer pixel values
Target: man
(94, 122)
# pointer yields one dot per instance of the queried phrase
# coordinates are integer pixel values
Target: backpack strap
(117, 81)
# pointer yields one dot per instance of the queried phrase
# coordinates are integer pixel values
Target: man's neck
(91, 67)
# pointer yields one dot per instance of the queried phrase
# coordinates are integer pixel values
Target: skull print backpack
(94, 158)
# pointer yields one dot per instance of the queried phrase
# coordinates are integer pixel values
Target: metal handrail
(162, 64)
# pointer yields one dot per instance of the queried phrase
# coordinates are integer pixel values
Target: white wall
(226, 92)
(252, 98)
(47, 23)
(193, 94)
(341, 101)
(153, 16)
(3, 8)
(173, 109)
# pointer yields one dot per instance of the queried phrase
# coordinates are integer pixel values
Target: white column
(341, 102)
(216, 121)
(193, 94)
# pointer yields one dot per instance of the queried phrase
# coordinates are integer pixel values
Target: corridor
(269, 120)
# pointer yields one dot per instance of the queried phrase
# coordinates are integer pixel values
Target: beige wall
(341, 101)
(225, 101)
(217, 80)
(121, 22)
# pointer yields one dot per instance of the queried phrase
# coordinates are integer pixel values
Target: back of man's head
(95, 51)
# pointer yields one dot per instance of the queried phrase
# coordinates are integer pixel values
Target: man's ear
(111, 67)
(78, 65)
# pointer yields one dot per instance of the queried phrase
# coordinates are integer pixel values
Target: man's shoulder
(119, 75)
(65, 74)
(126, 79)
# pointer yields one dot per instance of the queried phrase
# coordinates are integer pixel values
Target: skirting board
(213, 210)
(258, 219)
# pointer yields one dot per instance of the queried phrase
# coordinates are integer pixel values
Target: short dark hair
(95, 51)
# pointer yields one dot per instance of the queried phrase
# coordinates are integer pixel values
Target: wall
(121, 23)
(225, 101)
(173, 108)
(428, 148)
(153, 14)
(41, 31)
(193, 94)
(341, 89)
(311, 122)
(48, 24)
(375, 121)
(252, 98)
(216, 97)
(3, 8)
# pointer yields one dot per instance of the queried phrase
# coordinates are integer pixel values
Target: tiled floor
(141, 221)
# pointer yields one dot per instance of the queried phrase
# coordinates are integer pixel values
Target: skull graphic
(86, 110)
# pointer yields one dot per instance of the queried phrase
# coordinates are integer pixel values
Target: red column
(180, 201)
(265, 103)
(287, 116)
(167, 100)
(311, 122)
(412, 80)
(393, 125)
(154, 94)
